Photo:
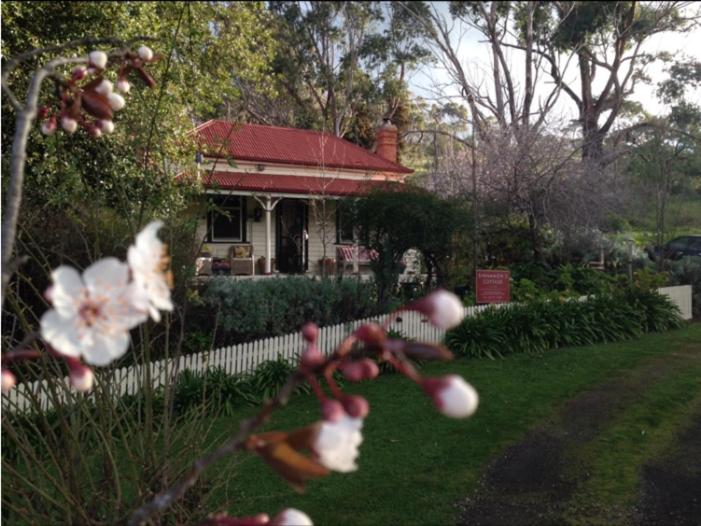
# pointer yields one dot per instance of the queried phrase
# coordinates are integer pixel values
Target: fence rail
(246, 357)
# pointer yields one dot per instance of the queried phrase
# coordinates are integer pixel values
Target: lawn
(417, 467)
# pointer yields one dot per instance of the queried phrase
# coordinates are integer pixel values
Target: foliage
(248, 310)
(391, 222)
(223, 393)
(535, 282)
(544, 325)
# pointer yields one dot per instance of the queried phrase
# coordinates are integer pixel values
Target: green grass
(415, 465)
(615, 458)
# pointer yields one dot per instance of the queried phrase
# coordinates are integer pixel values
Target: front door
(291, 236)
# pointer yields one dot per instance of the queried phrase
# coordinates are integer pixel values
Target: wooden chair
(242, 260)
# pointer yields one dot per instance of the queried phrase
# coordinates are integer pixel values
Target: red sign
(493, 286)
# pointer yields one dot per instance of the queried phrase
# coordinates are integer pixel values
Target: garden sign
(493, 286)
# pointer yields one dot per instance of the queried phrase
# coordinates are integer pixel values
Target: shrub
(238, 311)
(543, 325)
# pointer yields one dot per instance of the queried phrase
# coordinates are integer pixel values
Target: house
(277, 191)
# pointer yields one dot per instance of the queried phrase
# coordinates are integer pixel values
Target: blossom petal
(106, 348)
(105, 275)
(67, 290)
(60, 333)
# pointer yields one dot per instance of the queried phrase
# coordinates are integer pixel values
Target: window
(227, 222)
(344, 225)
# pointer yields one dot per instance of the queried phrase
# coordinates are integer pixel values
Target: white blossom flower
(116, 101)
(452, 395)
(92, 314)
(292, 517)
(123, 85)
(442, 308)
(448, 310)
(145, 53)
(105, 87)
(336, 444)
(98, 59)
(106, 126)
(149, 262)
(68, 124)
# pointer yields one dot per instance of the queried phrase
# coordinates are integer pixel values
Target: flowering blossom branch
(334, 441)
(73, 107)
(92, 313)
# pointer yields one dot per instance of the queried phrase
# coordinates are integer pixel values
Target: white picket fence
(244, 357)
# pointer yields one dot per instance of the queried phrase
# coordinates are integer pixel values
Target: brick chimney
(386, 137)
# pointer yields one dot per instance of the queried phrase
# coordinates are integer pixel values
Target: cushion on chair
(243, 251)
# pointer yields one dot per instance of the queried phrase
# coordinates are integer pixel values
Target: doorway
(291, 239)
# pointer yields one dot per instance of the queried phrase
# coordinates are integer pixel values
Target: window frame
(231, 204)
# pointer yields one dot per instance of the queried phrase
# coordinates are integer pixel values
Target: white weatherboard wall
(322, 230)
(245, 357)
(681, 297)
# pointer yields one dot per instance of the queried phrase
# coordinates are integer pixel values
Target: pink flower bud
(311, 357)
(68, 124)
(43, 112)
(370, 334)
(116, 101)
(123, 85)
(98, 59)
(48, 127)
(106, 126)
(353, 371)
(81, 376)
(145, 53)
(8, 380)
(104, 88)
(332, 410)
(441, 307)
(356, 406)
(310, 332)
(452, 395)
(93, 130)
(291, 517)
(370, 368)
(79, 73)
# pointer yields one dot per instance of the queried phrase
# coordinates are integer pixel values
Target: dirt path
(671, 486)
(532, 481)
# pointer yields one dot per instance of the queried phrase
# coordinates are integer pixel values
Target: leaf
(96, 104)
(294, 467)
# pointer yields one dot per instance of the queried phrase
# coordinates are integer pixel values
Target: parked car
(677, 248)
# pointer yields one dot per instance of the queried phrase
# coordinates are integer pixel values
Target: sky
(475, 56)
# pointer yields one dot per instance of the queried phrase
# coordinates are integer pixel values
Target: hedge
(543, 325)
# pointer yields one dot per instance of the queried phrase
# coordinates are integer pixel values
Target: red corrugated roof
(292, 184)
(255, 142)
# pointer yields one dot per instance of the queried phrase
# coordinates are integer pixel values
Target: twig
(166, 498)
